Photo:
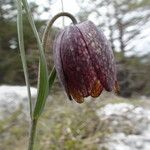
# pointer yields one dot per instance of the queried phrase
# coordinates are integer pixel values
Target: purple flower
(84, 61)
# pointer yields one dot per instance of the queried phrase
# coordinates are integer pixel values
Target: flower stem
(32, 134)
(45, 37)
(52, 74)
(45, 82)
(50, 23)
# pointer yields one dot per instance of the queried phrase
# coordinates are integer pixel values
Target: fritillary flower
(84, 61)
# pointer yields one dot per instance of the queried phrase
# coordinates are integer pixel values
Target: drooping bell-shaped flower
(84, 61)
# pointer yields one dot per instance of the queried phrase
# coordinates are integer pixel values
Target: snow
(11, 97)
(128, 115)
(120, 116)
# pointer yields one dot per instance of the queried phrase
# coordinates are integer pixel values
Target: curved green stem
(51, 22)
(52, 75)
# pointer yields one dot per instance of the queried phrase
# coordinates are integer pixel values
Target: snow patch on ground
(130, 125)
(11, 97)
(122, 116)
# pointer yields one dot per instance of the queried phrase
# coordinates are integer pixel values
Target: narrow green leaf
(43, 86)
(52, 77)
(22, 51)
(43, 90)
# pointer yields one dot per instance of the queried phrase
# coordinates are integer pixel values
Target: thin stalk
(50, 23)
(22, 51)
(32, 134)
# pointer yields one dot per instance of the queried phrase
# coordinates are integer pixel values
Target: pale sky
(71, 6)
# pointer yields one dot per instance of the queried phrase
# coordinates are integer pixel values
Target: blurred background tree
(123, 22)
(10, 63)
(126, 23)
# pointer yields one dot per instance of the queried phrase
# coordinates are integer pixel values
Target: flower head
(84, 61)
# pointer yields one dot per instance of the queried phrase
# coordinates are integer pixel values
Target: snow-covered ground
(130, 125)
(134, 121)
(11, 97)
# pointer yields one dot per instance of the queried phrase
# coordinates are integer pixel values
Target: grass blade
(22, 51)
